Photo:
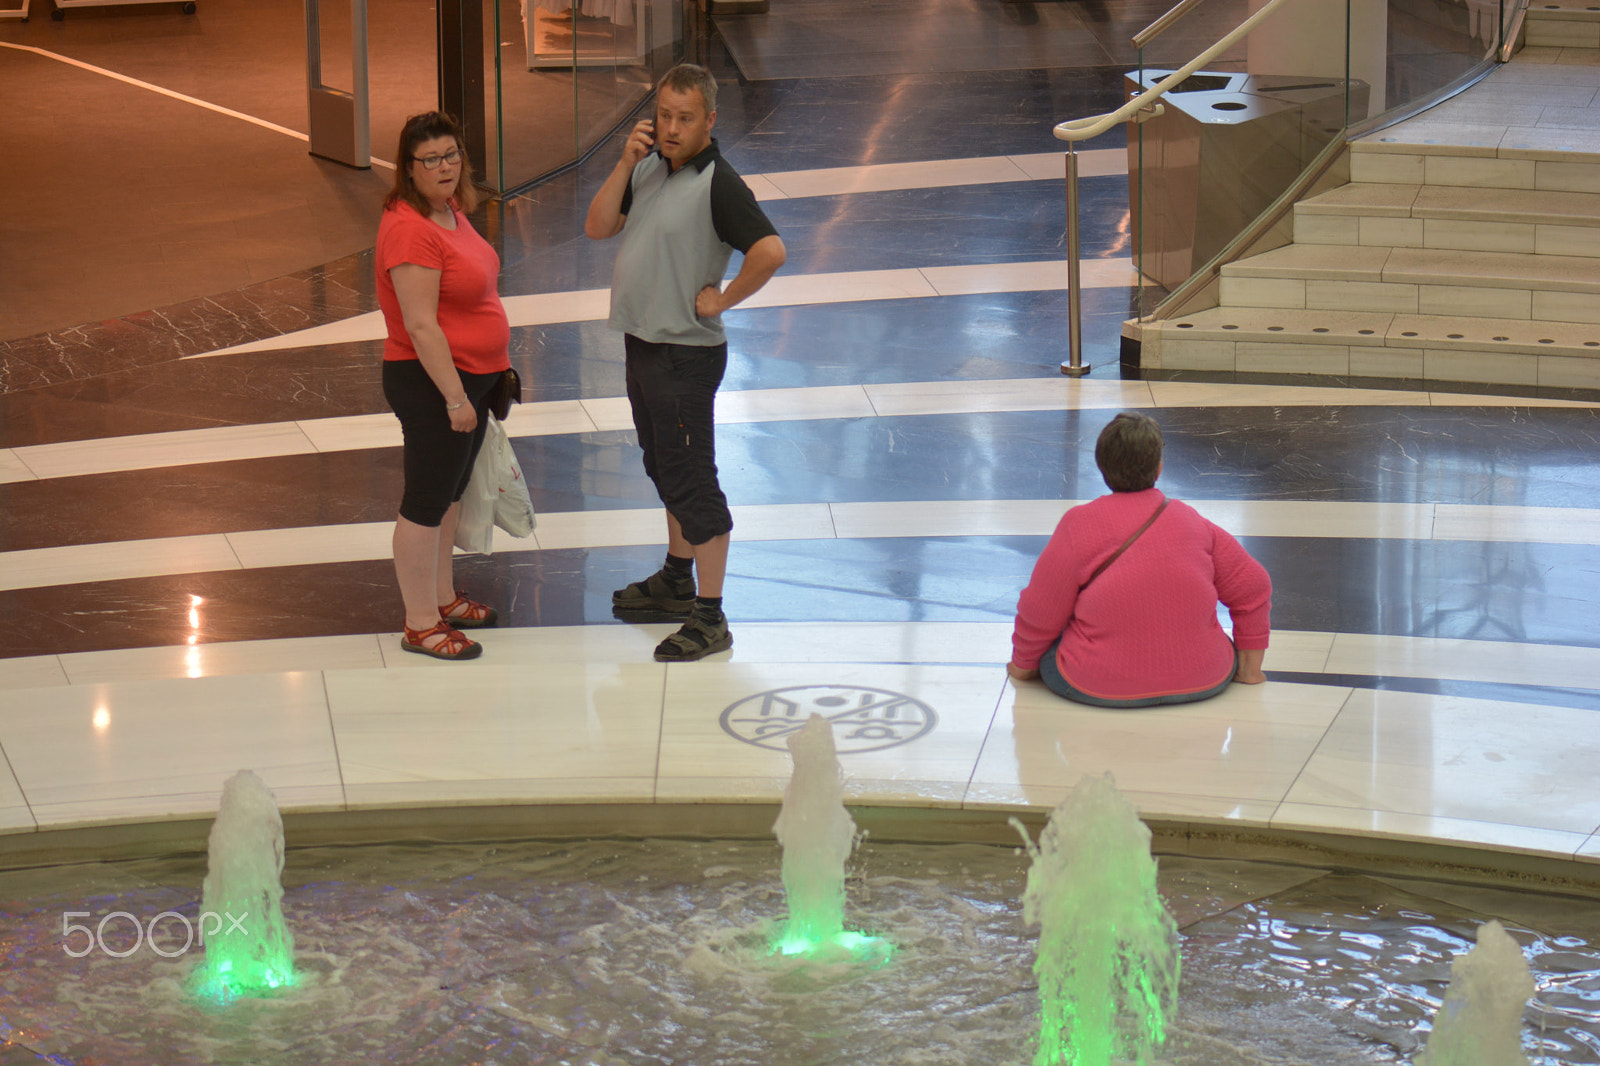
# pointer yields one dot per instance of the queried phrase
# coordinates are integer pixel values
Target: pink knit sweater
(1148, 625)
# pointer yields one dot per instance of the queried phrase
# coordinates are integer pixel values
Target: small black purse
(507, 391)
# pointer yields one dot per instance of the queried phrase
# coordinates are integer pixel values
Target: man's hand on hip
(708, 302)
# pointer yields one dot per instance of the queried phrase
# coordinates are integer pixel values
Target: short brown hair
(687, 76)
(1128, 452)
(420, 129)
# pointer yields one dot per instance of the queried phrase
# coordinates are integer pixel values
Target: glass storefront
(552, 77)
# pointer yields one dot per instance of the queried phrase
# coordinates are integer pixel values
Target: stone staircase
(1461, 250)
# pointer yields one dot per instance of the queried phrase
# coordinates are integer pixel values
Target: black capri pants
(672, 389)
(438, 460)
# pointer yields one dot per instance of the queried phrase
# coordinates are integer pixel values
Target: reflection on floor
(194, 547)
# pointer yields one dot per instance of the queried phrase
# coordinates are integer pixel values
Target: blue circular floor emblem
(864, 719)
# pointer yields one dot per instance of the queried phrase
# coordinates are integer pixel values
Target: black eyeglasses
(431, 162)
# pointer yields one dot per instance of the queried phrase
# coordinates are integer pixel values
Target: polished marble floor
(194, 518)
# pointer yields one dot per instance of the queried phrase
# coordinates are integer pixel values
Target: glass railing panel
(1239, 133)
(1431, 44)
(1508, 11)
(1235, 134)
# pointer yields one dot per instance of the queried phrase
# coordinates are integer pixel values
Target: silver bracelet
(453, 406)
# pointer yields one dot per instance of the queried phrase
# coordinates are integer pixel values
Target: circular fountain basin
(657, 951)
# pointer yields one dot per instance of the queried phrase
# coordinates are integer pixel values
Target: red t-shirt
(470, 313)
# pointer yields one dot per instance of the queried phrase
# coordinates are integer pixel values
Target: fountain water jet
(1480, 1021)
(817, 835)
(249, 949)
(1108, 948)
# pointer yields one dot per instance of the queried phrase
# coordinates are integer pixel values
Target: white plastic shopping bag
(513, 508)
(496, 495)
(475, 523)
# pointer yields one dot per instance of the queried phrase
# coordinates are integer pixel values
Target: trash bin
(1227, 146)
(1324, 109)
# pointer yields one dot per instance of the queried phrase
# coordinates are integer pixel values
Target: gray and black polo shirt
(681, 231)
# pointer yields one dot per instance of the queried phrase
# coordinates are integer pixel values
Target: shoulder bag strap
(1125, 546)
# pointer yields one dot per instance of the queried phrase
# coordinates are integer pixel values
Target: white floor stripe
(312, 545)
(785, 290)
(219, 109)
(350, 432)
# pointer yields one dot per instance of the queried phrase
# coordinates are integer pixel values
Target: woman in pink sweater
(1121, 610)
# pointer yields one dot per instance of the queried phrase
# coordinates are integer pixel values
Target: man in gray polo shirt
(682, 211)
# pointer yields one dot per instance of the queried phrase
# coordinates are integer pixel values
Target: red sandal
(473, 615)
(455, 645)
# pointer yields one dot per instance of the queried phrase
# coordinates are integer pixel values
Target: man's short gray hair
(687, 76)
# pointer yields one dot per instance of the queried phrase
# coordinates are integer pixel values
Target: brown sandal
(473, 615)
(455, 645)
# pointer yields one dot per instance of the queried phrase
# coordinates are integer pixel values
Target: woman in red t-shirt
(447, 349)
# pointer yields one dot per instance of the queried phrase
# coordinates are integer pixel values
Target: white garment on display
(620, 12)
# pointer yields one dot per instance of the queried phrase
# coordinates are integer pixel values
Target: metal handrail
(1083, 128)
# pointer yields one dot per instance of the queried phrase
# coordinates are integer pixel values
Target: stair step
(1366, 344)
(1475, 220)
(1564, 11)
(1425, 281)
(1526, 206)
(1443, 332)
(1539, 159)
(1499, 270)
(1421, 266)
(1364, 199)
(1563, 25)
(1276, 324)
(1328, 262)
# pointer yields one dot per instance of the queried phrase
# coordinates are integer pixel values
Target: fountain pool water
(627, 953)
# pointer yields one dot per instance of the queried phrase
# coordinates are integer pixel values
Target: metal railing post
(1074, 366)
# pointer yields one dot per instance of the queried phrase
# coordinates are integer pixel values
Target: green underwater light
(858, 946)
(224, 977)
(818, 835)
